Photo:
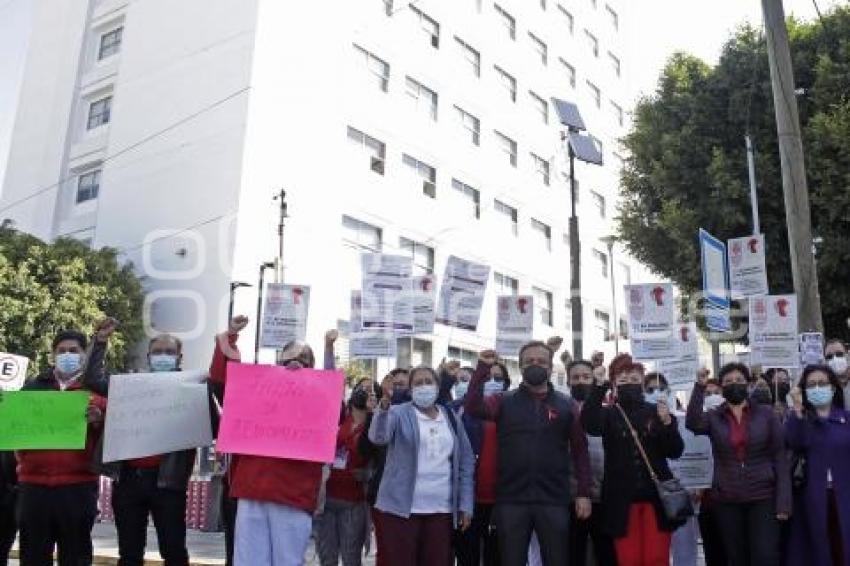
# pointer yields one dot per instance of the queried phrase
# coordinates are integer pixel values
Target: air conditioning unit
(429, 189)
(377, 165)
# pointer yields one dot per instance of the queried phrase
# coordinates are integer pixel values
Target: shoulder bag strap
(638, 443)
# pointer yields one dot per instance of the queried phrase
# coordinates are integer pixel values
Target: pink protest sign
(272, 411)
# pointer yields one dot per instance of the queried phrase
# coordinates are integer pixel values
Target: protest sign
(747, 268)
(681, 370)
(462, 293)
(368, 344)
(514, 323)
(13, 371)
(715, 282)
(43, 420)
(773, 331)
(651, 320)
(156, 413)
(811, 348)
(423, 300)
(281, 413)
(386, 291)
(695, 469)
(285, 314)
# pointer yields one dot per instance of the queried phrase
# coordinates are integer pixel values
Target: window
(388, 7)
(594, 3)
(424, 99)
(602, 259)
(541, 168)
(618, 112)
(422, 256)
(624, 328)
(99, 111)
(508, 214)
(469, 194)
(592, 42)
(465, 357)
(542, 231)
(507, 20)
(470, 125)
(599, 203)
(543, 5)
(539, 48)
(613, 16)
(507, 81)
(423, 173)
(378, 69)
(508, 146)
(88, 186)
(427, 24)
(595, 94)
(376, 150)
(110, 43)
(360, 235)
(470, 55)
(541, 107)
(602, 323)
(568, 18)
(615, 63)
(505, 285)
(570, 72)
(543, 304)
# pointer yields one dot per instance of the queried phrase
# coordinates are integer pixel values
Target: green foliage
(45, 288)
(355, 370)
(687, 167)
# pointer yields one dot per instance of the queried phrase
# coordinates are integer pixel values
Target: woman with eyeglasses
(835, 353)
(819, 431)
(752, 480)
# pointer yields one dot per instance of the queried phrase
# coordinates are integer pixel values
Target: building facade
(426, 129)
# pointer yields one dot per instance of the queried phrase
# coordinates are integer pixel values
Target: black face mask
(782, 390)
(762, 396)
(630, 394)
(581, 391)
(359, 398)
(735, 393)
(535, 375)
(400, 396)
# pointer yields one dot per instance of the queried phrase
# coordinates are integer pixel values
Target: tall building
(425, 128)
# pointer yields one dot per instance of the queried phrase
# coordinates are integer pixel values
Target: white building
(165, 128)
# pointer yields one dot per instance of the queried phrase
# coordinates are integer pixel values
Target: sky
(658, 28)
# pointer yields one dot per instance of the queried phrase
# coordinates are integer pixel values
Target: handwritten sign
(156, 413)
(43, 420)
(695, 469)
(514, 323)
(13, 371)
(285, 314)
(281, 413)
(652, 320)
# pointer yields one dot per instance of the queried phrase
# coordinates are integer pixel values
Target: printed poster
(285, 314)
(681, 370)
(747, 267)
(652, 319)
(386, 287)
(514, 323)
(462, 293)
(773, 331)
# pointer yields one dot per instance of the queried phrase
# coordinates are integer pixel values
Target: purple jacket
(765, 471)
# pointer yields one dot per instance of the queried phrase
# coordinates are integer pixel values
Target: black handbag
(675, 499)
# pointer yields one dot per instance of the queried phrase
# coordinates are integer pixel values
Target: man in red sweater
(58, 490)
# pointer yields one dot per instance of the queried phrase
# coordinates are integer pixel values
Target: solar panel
(568, 114)
(584, 148)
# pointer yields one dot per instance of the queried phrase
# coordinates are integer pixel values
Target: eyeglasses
(834, 355)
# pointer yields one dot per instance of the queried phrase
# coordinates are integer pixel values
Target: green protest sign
(43, 420)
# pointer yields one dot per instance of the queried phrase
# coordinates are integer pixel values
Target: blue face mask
(819, 396)
(163, 362)
(69, 363)
(460, 389)
(492, 387)
(424, 396)
(655, 397)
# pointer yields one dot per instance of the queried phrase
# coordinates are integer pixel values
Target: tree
(687, 164)
(45, 288)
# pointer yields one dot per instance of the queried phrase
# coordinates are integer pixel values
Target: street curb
(113, 561)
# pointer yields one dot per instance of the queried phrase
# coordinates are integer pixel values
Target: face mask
(535, 375)
(163, 362)
(400, 396)
(838, 364)
(69, 362)
(581, 392)
(819, 396)
(761, 396)
(491, 387)
(424, 395)
(735, 393)
(629, 394)
(654, 397)
(460, 389)
(712, 401)
(359, 398)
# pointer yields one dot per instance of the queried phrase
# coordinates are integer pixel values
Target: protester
(479, 541)
(818, 429)
(752, 482)
(427, 487)
(712, 542)
(341, 528)
(539, 433)
(8, 504)
(153, 486)
(713, 394)
(632, 510)
(57, 501)
(376, 455)
(779, 382)
(277, 496)
(582, 382)
(835, 353)
(760, 392)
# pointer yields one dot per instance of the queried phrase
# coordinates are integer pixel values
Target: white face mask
(838, 364)
(712, 401)
(492, 387)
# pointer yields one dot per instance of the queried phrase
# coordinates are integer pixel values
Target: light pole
(609, 241)
(233, 286)
(263, 267)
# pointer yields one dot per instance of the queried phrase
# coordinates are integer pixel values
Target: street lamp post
(609, 241)
(233, 286)
(263, 267)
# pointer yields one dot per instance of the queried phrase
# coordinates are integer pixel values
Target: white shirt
(433, 487)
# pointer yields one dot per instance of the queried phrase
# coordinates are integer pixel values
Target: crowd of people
(458, 465)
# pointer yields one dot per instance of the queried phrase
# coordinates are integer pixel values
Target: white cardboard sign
(514, 323)
(462, 293)
(773, 331)
(747, 267)
(652, 319)
(13, 371)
